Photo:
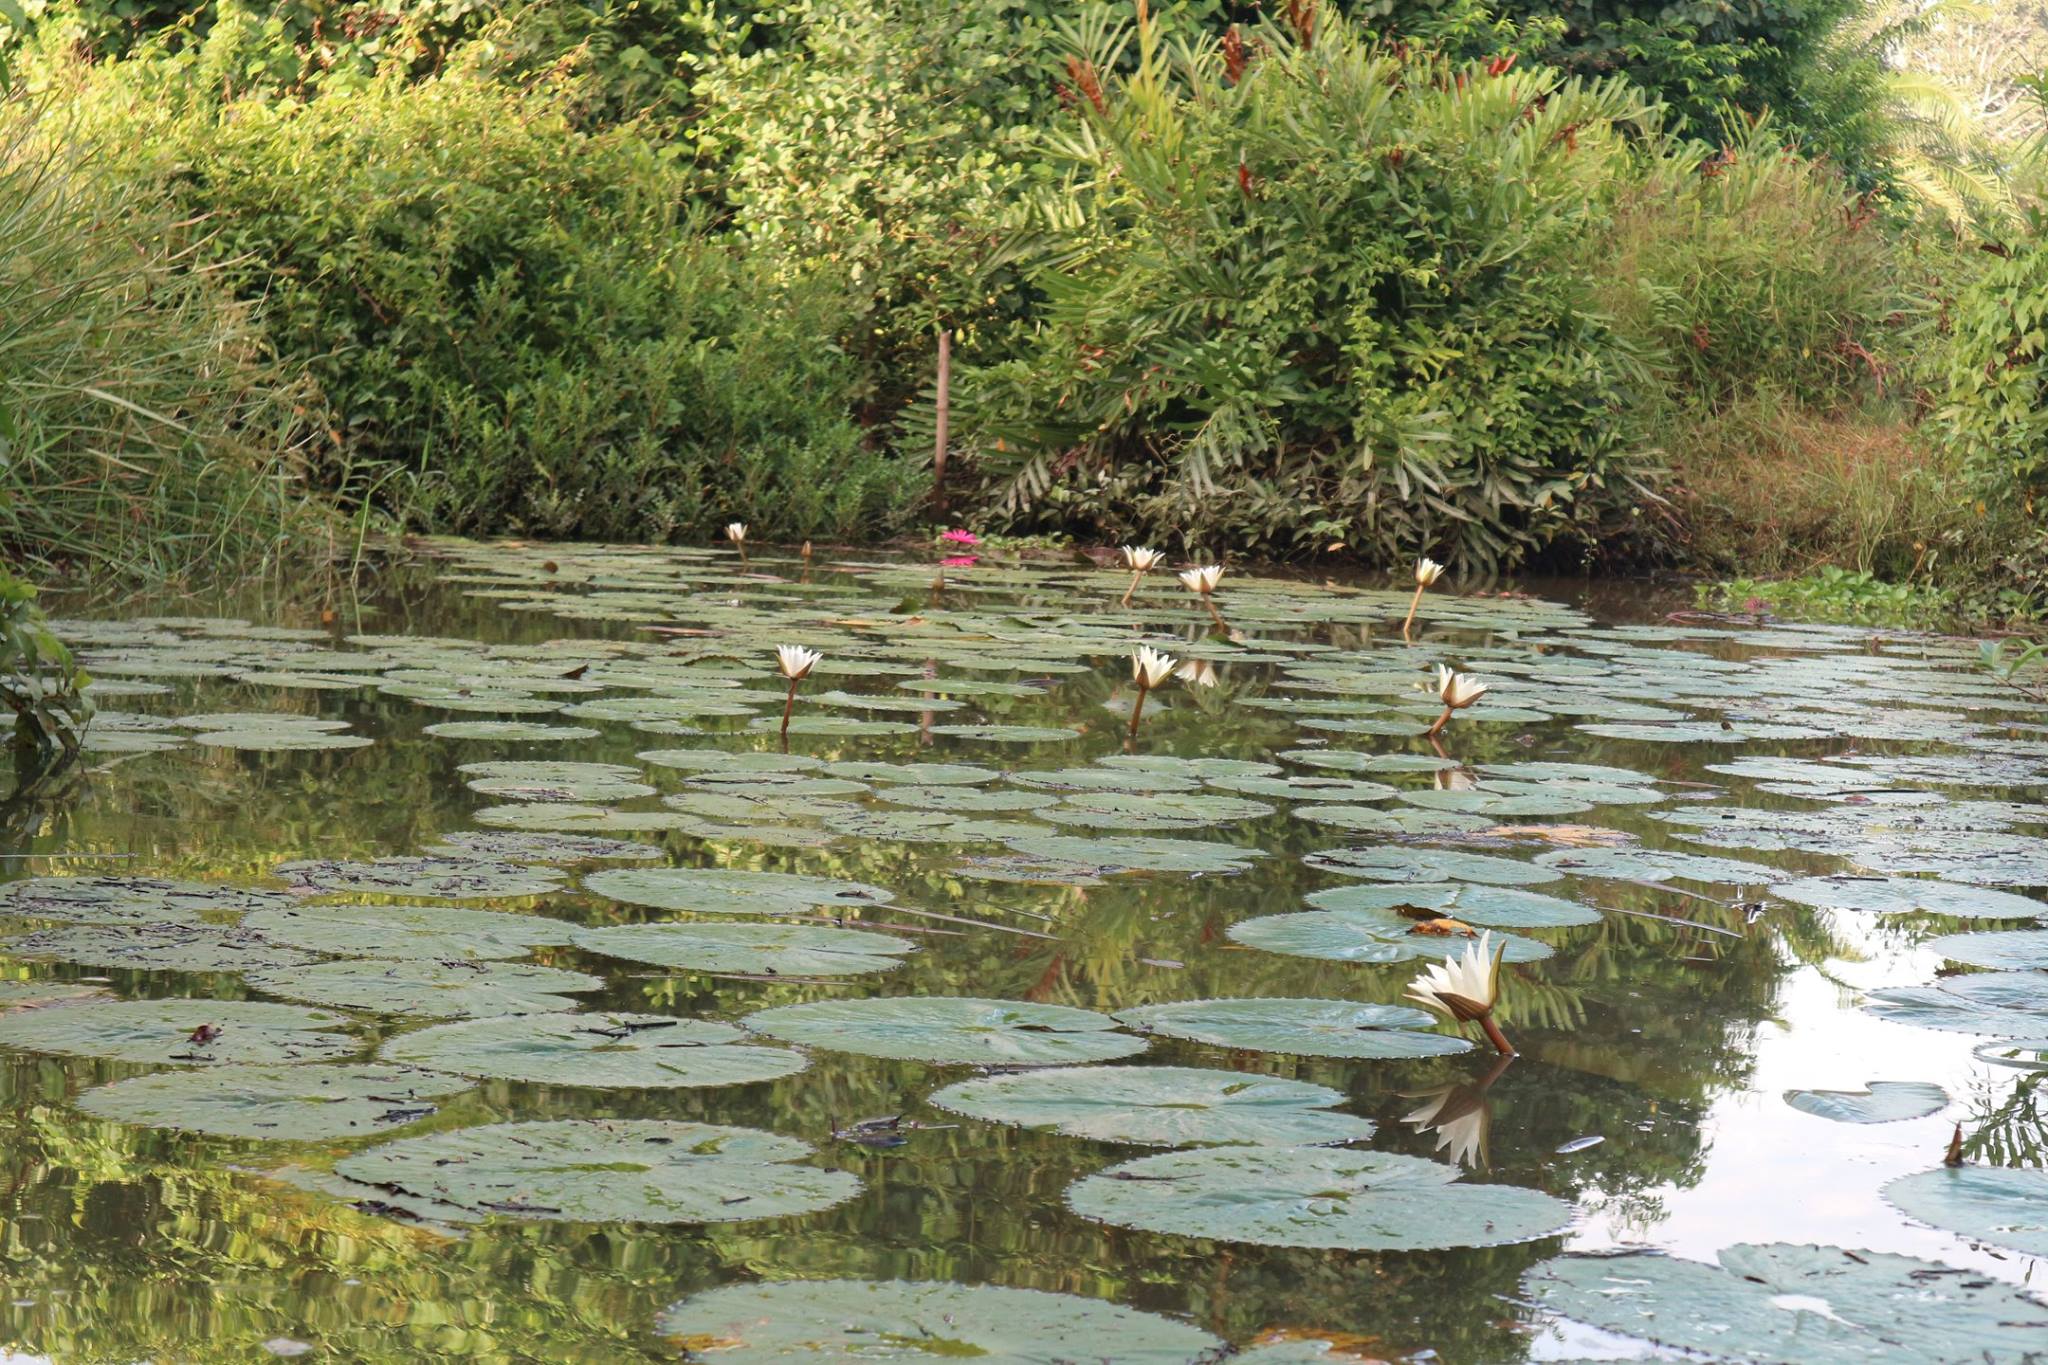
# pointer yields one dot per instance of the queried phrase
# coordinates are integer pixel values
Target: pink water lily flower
(959, 537)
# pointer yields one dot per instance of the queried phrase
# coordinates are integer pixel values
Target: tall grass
(144, 431)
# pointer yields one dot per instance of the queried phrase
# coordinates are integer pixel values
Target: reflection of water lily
(1197, 673)
(1466, 988)
(1457, 780)
(1456, 691)
(1427, 571)
(1140, 561)
(1460, 1115)
(736, 532)
(1149, 668)
(956, 536)
(795, 663)
(959, 561)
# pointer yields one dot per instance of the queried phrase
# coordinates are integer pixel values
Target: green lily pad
(718, 891)
(638, 1051)
(2007, 1208)
(1384, 864)
(538, 781)
(915, 774)
(1493, 907)
(1153, 810)
(1399, 822)
(924, 827)
(161, 947)
(1159, 1106)
(957, 799)
(2011, 1004)
(1658, 865)
(1367, 935)
(444, 877)
(1305, 1028)
(1137, 853)
(1322, 1197)
(1878, 1102)
(944, 1029)
(129, 900)
(437, 990)
(605, 1171)
(756, 949)
(1796, 1303)
(280, 739)
(184, 1032)
(511, 730)
(2005, 950)
(1009, 734)
(282, 1103)
(1902, 895)
(408, 931)
(840, 1320)
(520, 847)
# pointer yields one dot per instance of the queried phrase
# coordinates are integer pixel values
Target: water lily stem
(1138, 709)
(1414, 603)
(1441, 722)
(1214, 614)
(788, 709)
(1495, 1036)
(1136, 578)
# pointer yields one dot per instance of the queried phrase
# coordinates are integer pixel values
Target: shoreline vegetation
(1757, 303)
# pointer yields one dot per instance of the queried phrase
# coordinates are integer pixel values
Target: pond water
(472, 974)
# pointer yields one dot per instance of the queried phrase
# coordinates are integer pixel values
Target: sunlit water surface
(1658, 1041)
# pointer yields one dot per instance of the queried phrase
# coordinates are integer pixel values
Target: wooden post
(944, 414)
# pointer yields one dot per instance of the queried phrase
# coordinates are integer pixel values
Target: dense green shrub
(1300, 294)
(1996, 408)
(519, 310)
(144, 429)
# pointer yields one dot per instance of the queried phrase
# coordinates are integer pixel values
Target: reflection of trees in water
(2009, 1131)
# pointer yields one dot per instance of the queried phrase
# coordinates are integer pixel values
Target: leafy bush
(143, 429)
(519, 311)
(40, 685)
(1831, 594)
(1996, 410)
(1301, 293)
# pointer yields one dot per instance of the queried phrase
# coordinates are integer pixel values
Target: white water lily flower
(1463, 987)
(1427, 571)
(795, 662)
(1150, 667)
(1202, 580)
(1139, 559)
(736, 530)
(1457, 690)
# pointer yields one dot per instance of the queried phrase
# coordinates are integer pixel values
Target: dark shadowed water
(1670, 1010)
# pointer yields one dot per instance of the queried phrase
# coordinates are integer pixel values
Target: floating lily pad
(439, 990)
(925, 827)
(718, 891)
(1401, 821)
(1494, 907)
(1901, 895)
(2007, 1208)
(1307, 1028)
(1009, 734)
(2027, 1054)
(1153, 810)
(839, 1320)
(2009, 1004)
(408, 931)
(605, 1171)
(279, 739)
(1879, 1102)
(2007, 949)
(915, 774)
(285, 1103)
(944, 1029)
(640, 1051)
(32, 995)
(1658, 865)
(1161, 1106)
(1137, 853)
(536, 781)
(1384, 864)
(129, 900)
(1367, 935)
(184, 1032)
(1320, 1197)
(1790, 1303)
(1307, 787)
(518, 847)
(446, 877)
(755, 949)
(958, 799)
(509, 730)
(161, 947)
